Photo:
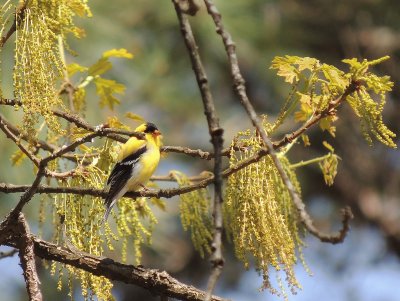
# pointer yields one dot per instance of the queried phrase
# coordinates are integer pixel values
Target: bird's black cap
(150, 128)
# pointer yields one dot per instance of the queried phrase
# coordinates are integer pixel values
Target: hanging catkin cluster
(41, 27)
(195, 214)
(260, 216)
(77, 223)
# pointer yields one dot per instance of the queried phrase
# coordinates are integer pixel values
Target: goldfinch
(137, 161)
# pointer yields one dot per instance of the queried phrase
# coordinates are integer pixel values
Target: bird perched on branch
(137, 161)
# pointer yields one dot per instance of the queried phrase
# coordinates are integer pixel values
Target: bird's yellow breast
(145, 167)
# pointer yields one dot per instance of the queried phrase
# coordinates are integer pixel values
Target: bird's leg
(144, 187)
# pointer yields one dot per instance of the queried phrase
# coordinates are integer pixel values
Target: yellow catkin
(77, 221)
(38, 63)
(260, 216)
(195, 215)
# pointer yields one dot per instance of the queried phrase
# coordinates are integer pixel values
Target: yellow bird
(137, 161)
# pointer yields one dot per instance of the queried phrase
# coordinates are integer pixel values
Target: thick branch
(27, 257)
(153, 280)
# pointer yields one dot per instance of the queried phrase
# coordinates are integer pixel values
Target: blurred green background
(161, 87)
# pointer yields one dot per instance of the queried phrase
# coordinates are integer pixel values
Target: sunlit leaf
(285, 68)
(306, 140)
(304, 113)
(105, 88)
(101, 66)
(114, 122)
(306, 63)
(79, 100)
(335, 76)
(135, 117)
(159, 203)
(74, 67)
(122, 52)
(17, 157)
(305, 98)
(328, 146)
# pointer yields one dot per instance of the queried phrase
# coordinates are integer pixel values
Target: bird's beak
(156, 133)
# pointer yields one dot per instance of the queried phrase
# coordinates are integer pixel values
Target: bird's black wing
(119, 176)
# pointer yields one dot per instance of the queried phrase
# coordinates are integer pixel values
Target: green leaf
(111, 84)
(307, 63)
(304, 98)
(100, 67)
(17, 157)
(79, 99)
(74, 67)
(114, 122)
(328, 146)
(329, 168)
(158, 203)
(285, 68)
(306, 140)
(326, 125)
(353, 63)
(135, 117)
(122, 52)
(335, 76)
(304, 113)
(105, 88)
(107, 99)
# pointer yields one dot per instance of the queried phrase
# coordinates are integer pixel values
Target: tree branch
(8, 254)
(19, 15)
(10, 135)
(240, 89)
(167, 193)
(155, 281)
(27, 257)
(161, 193)
(216, 133)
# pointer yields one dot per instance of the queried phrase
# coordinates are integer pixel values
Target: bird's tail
(109, 203)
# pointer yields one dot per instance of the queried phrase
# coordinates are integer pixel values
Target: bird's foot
(144, 187)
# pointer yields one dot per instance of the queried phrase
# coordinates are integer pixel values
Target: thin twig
(42, 171)
(171, 178)
(216, 133)
(196, 153)
(352, 87)
(19, 15)
(29, 193)
(10, 135)
(240, 89)
(160, 193)
(8, 254)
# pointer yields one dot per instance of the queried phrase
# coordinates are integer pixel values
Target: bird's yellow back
(130, 147)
